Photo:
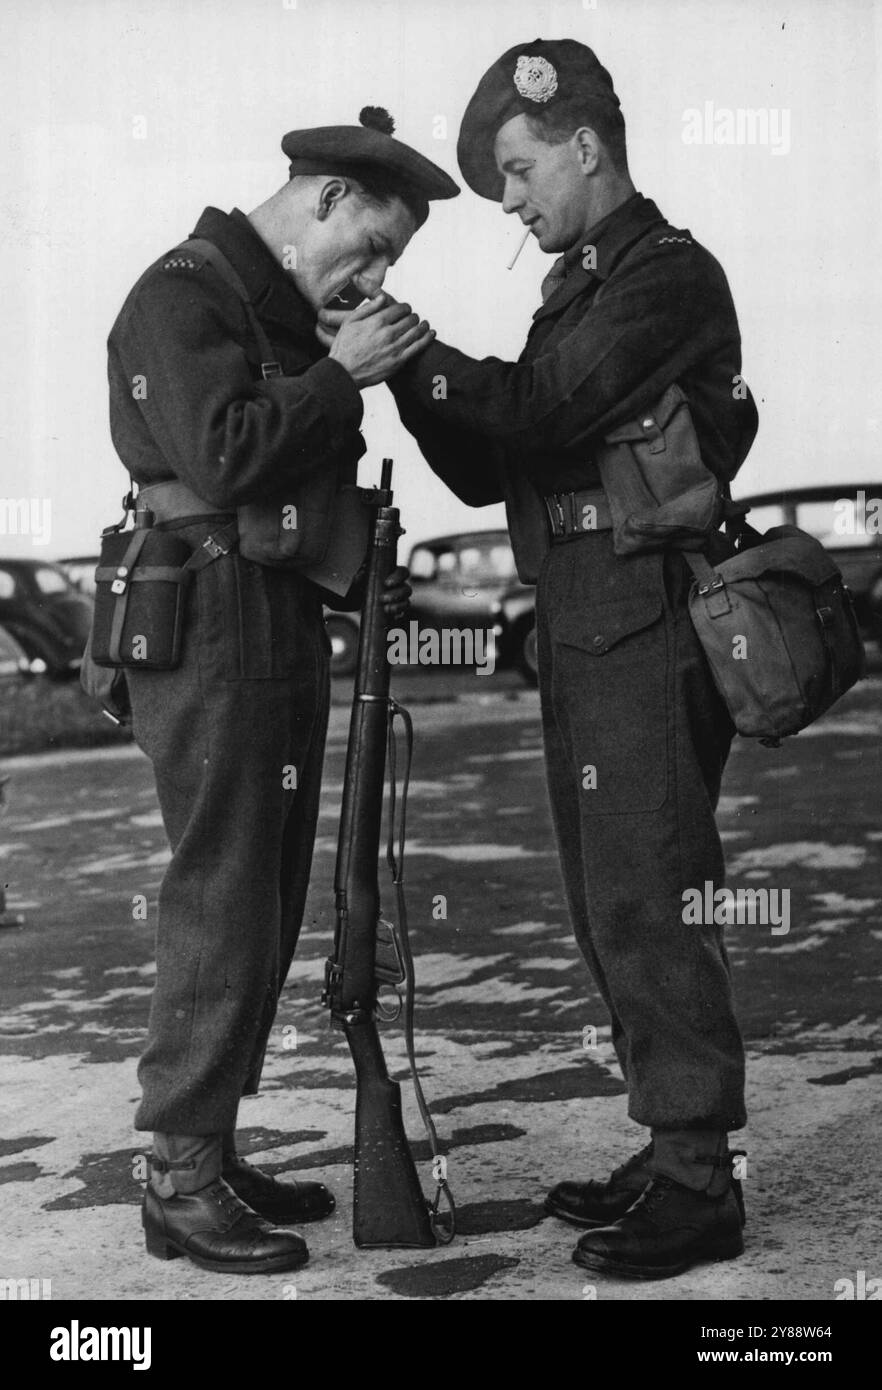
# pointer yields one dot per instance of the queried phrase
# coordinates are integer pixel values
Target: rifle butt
(389, 1210)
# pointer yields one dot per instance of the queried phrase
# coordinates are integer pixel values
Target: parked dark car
(518, 616)
(14, 661)
(458, 582)
(80, 570)
(45, 613)
(847, 520)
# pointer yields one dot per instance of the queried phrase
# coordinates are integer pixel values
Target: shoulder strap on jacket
(269, 366)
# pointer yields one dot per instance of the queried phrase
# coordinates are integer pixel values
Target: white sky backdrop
(87, 205)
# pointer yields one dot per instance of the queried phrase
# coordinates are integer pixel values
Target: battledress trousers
(636, 739)
(236, 736)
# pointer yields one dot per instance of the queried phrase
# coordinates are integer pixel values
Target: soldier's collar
(598, 251)
(270, 287)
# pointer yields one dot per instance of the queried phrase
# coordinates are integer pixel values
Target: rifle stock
(389, 1206)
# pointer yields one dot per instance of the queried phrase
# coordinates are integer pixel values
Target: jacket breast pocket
(611, 694)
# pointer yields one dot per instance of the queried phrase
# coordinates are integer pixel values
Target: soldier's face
(544, 184)
(351, 240)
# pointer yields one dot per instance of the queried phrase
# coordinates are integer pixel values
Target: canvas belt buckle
(214, 548)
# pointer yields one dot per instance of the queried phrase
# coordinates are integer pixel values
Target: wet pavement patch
(485, 1218)
(485, 1134)
(107, 1178)
(839, 1078)
(570, 1083)
(21, 1172)
(25, 1142)
(318, 1079)
(256, 1139)
(445, 1278)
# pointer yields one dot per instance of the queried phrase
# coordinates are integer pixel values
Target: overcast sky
(123, 120)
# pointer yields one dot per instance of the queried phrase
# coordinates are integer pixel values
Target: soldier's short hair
(561, 121)
(378, 189)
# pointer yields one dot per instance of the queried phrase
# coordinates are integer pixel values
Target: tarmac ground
(512, 1038)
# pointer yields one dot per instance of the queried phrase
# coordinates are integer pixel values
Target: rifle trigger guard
(388, 1013)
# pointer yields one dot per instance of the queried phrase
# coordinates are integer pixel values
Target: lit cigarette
(519, 250)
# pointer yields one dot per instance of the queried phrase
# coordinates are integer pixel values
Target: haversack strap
(269, 366)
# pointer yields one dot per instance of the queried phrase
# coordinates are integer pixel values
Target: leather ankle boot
(594, 1203)
(291, 1203)
(189, 1210)
(218, 1232)
(667, 1230)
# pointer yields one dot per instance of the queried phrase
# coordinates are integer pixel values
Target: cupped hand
(397, 592)
(375, 340)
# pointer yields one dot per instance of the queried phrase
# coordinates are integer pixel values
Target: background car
(342, 630)
(80, 570)
(466, 581)
(14, 661)
(847, 520)
(46, 614)
(518, 616)
(459, 581)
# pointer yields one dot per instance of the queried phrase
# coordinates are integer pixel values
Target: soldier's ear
(330, 193)
(588, 148)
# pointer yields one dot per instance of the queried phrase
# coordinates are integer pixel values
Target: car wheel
(525, 650)
(343, 637)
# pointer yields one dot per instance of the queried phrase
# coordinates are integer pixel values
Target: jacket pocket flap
(697, 511)
(660, 414)
(603, 628)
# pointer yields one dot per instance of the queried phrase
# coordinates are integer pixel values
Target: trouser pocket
(610, 695)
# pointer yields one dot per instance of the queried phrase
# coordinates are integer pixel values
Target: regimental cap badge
(535, 79)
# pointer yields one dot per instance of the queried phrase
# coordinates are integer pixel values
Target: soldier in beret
(635, 312)
(205, 425)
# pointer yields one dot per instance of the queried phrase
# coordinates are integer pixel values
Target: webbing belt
(578, 513)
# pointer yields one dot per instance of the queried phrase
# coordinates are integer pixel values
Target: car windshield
(489, 563)
(51, 581)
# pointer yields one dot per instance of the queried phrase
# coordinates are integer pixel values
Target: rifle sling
(443, 1234)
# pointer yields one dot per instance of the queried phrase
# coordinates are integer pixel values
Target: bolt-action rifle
(370, 952)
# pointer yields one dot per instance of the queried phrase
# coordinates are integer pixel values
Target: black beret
(527, 79)
(348, 149)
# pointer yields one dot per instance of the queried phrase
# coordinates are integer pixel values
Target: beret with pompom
(349, 149)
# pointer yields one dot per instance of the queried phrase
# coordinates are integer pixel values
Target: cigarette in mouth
(519, 250)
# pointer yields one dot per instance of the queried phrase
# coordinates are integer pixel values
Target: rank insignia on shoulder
(183, 263)
(685, 240)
